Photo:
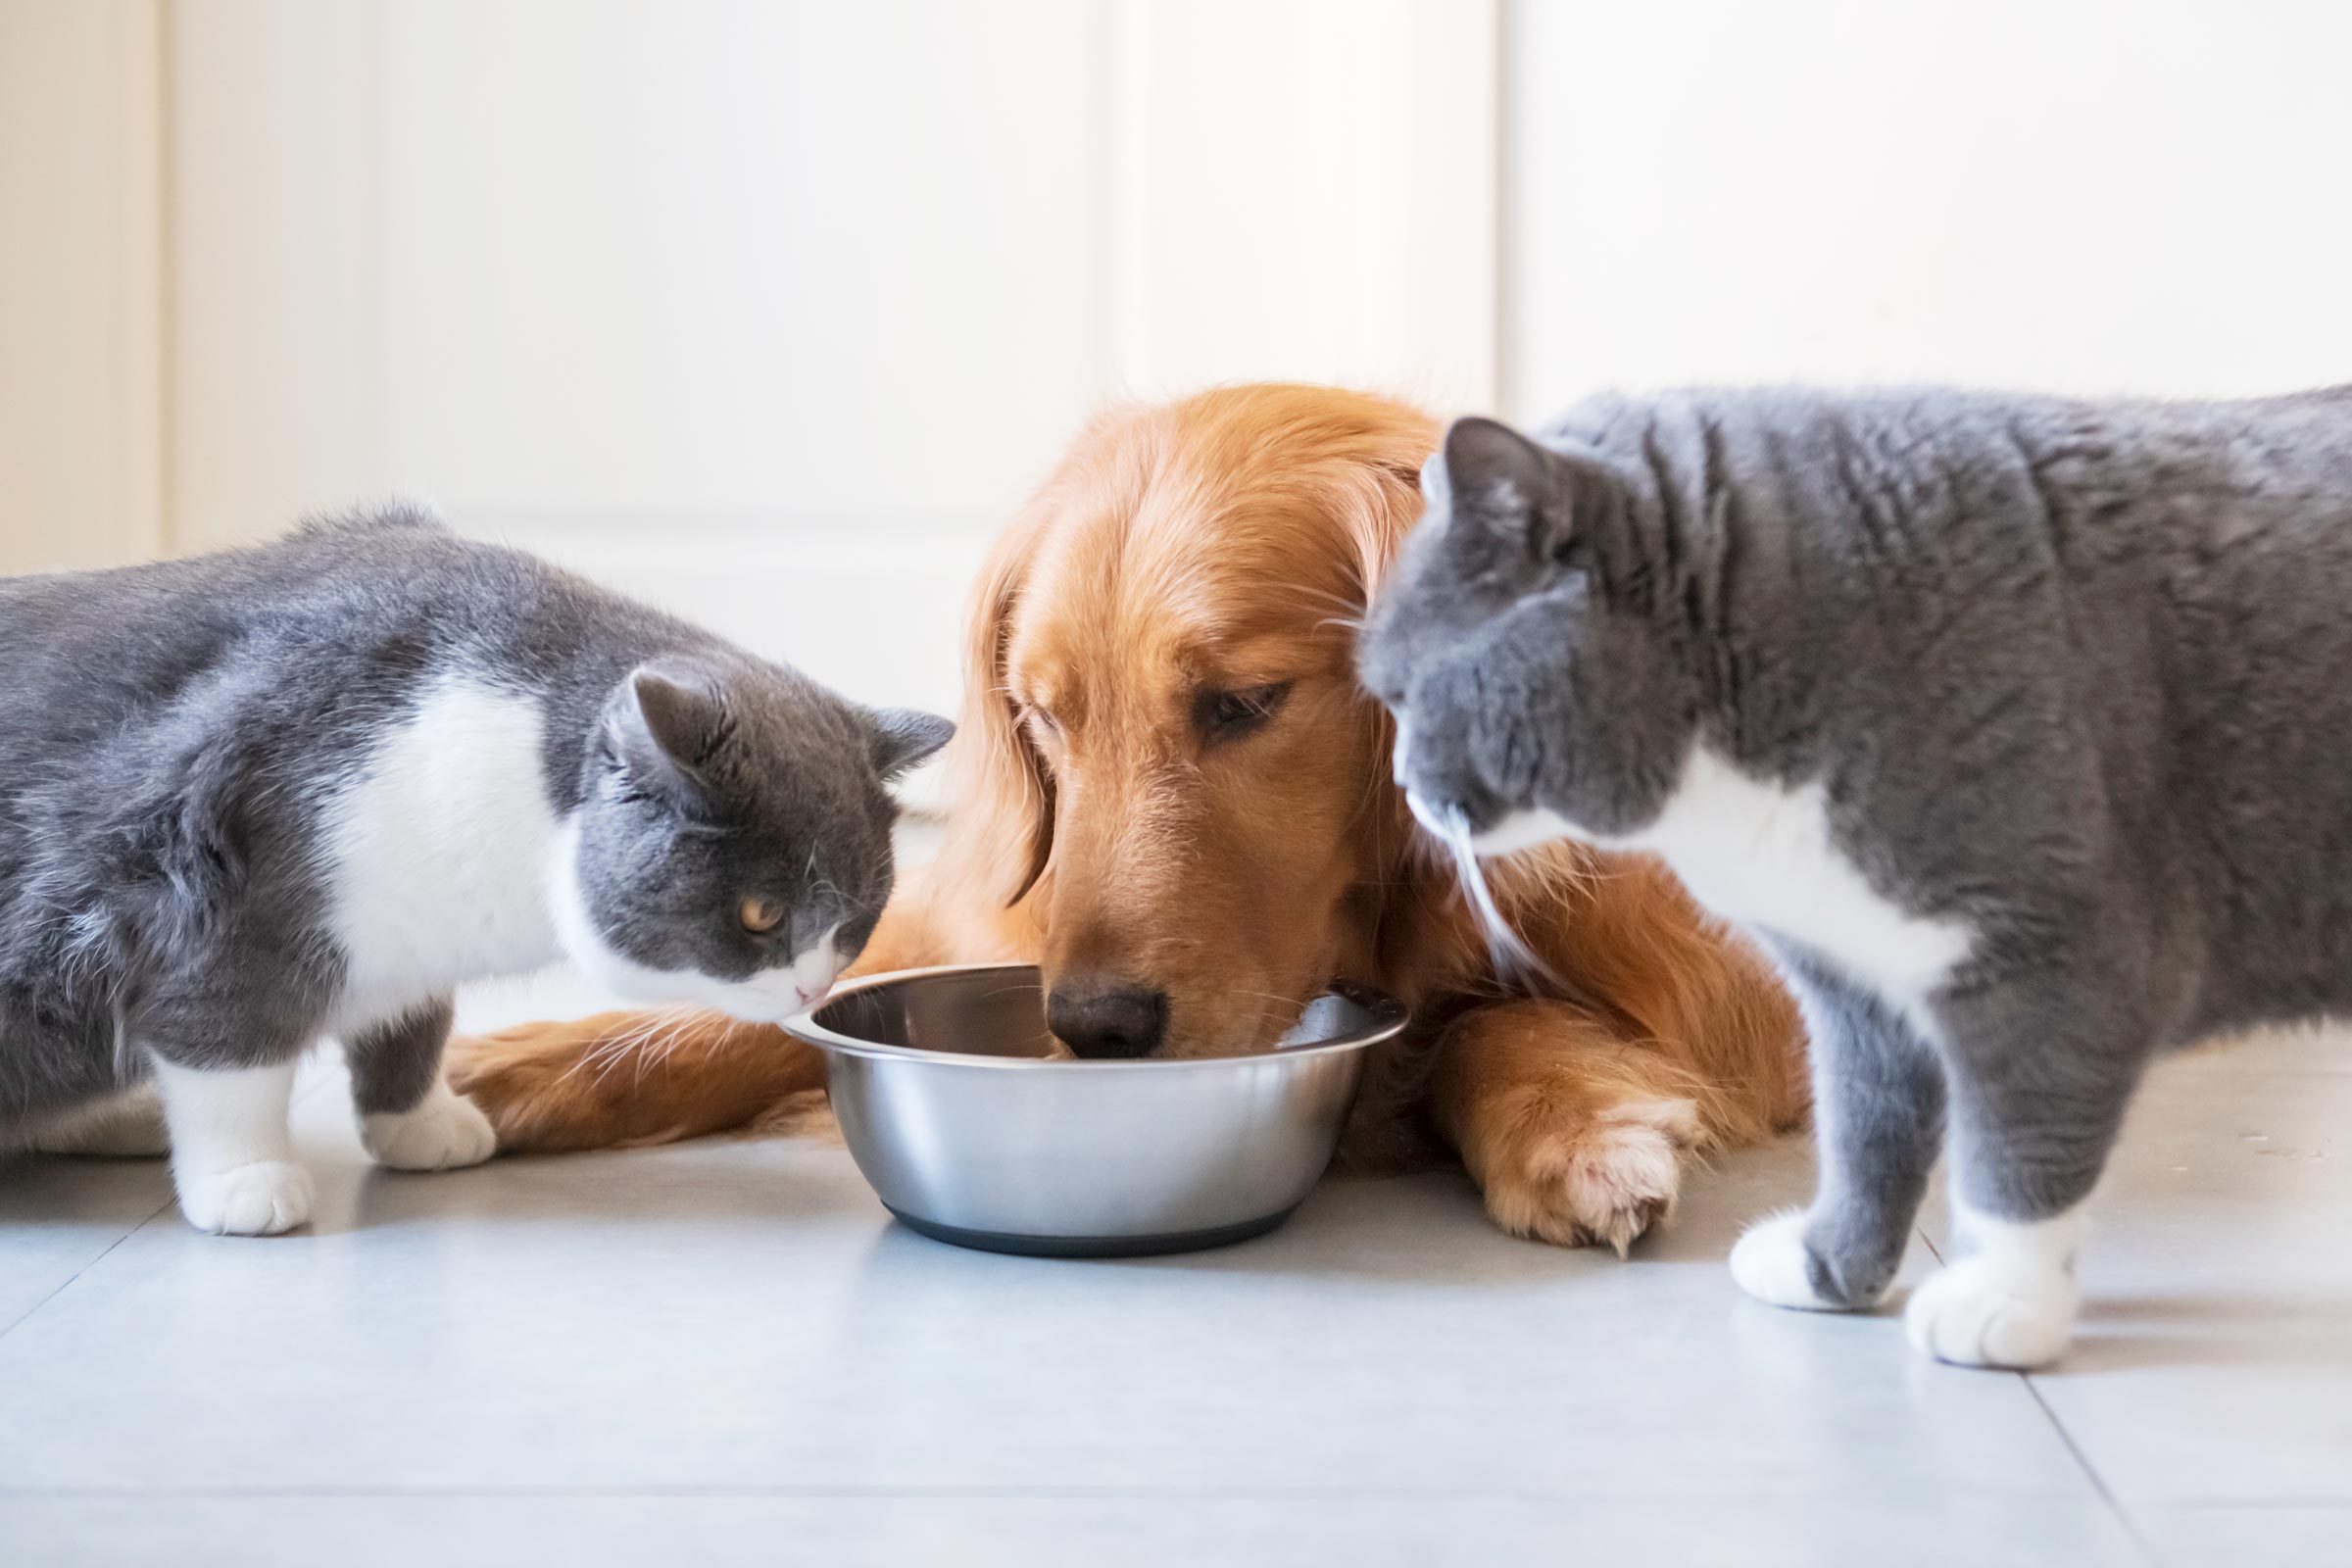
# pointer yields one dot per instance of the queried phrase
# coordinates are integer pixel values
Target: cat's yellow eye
(759, 915)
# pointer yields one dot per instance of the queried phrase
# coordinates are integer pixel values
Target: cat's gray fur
(2076, 675)
(171, 736)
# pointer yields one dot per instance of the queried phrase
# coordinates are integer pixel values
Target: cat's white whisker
(1508, 951)
(659, 1046)
(606, 1054)
(611, 1053)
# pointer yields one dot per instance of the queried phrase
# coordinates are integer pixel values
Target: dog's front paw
(445, 1132)
(1606, 1180)
(1996, 1312)
(264, 1199)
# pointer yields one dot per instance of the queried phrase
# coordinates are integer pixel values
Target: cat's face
(733, 848)
(1528, 703)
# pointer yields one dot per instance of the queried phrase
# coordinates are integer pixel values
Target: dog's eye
(759, 915)
(1229, 716)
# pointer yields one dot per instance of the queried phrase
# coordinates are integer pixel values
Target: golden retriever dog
(1169, 791)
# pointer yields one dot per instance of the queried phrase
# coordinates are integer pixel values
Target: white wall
(2082, 195)
(772, 310)
(763, 310)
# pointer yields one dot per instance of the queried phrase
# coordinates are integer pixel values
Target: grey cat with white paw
(254, 797)
(2019, 730)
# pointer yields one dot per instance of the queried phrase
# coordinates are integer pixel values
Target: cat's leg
(232, 1160)
(409, 1118)
(1574, 1133)
(1877, 1110)
(2040, 1076)
(127, 1126)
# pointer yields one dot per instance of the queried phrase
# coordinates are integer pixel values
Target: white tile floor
(724, 1352)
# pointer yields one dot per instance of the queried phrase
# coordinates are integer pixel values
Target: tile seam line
(2285, 1504)
(2122, 1516)
(67, 1283)
(10, 1327)
(2098, 1483)
(1108, 1493)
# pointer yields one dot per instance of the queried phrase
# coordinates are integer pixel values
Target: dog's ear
(1401, 459)
(1004, 796)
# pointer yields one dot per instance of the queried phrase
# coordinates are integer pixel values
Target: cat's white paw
(445, 1132)
(264, 1199)
(1769, 1263)
(1996, 1310)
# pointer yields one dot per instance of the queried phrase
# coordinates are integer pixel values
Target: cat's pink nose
(822, 967)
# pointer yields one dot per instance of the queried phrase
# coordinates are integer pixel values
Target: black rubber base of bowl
(1092, 1245)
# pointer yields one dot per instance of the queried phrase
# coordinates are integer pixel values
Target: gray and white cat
(254, 797)
(2020, 730)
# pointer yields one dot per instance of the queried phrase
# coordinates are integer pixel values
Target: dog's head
(1166, 756)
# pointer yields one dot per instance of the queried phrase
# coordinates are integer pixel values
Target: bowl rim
(1390, 1019)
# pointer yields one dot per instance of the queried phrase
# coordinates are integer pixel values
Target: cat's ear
(904, 736)
(1502, 480)
(666, 724)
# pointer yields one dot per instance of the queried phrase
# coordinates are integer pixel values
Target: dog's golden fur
(1224, 543)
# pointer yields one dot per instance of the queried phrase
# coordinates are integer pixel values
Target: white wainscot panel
(736, 256)
(2104, 195)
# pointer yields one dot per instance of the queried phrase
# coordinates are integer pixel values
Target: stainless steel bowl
(975, 1129)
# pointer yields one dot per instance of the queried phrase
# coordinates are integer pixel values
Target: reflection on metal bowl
(973, 1127)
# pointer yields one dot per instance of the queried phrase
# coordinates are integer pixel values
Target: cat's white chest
(437, 854)
(1760, 853)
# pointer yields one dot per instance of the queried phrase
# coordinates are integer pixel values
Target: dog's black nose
(1105, 1018)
